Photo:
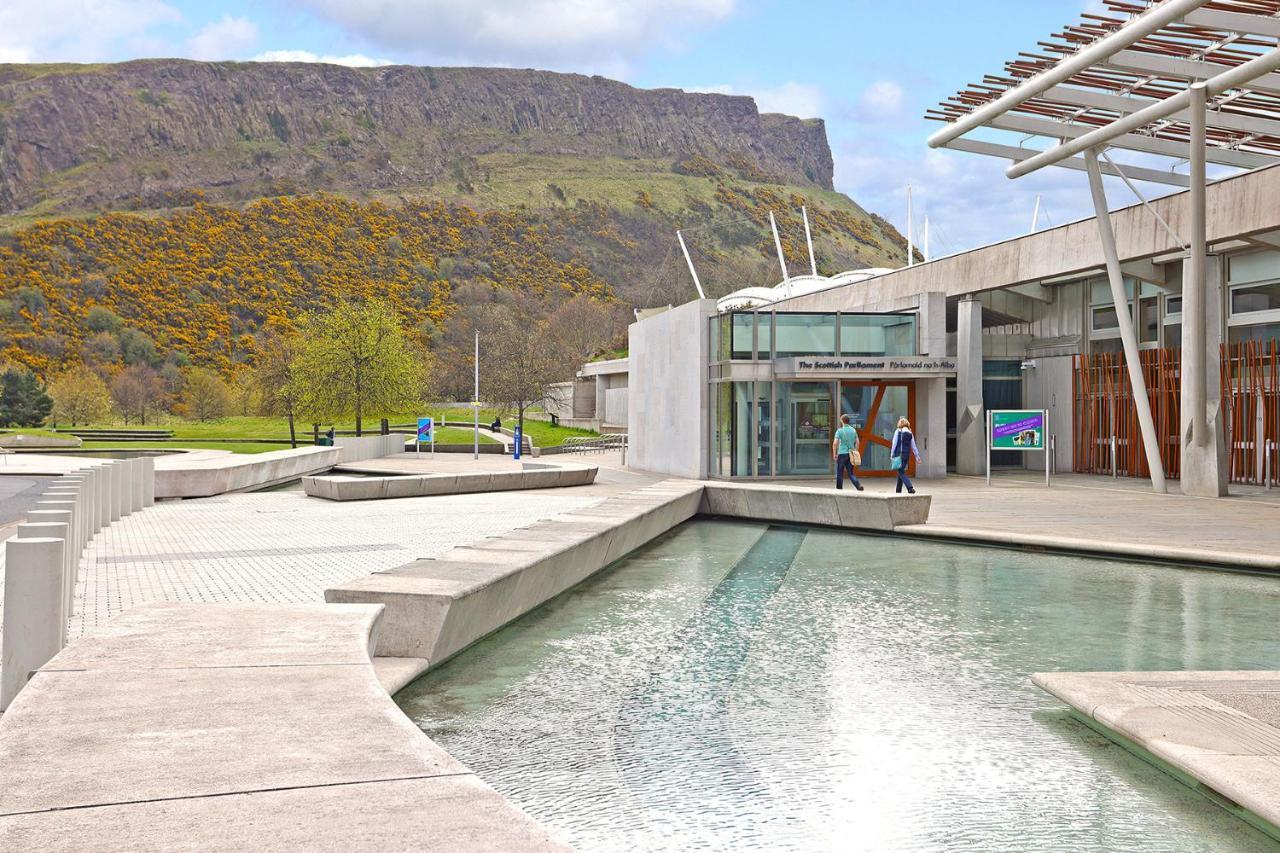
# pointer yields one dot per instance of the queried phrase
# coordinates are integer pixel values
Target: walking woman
(904, 442)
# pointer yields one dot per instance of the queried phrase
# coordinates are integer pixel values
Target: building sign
(1017, 430)
(904, 366)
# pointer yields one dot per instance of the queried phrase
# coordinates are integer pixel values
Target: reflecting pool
(746, 687)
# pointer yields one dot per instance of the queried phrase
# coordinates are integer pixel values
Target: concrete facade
(667, 406)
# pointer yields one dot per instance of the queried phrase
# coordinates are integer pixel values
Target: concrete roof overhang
(1240, 207)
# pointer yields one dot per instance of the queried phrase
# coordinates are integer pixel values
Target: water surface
(736, 686)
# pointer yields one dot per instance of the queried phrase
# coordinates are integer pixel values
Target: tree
(273, 377)
(516, 361)
(579, 329)
(205, 395)
(136, 391)
(356, 359)
(79, 396)
(23, 401)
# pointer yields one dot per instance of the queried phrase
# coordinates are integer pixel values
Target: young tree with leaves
(278, 393)
(205, 395)
(355, 360)
(80, 397)
(517, 360)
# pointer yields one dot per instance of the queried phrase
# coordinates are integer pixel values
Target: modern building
(1124, 327)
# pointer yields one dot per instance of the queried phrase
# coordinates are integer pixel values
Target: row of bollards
(42, 562)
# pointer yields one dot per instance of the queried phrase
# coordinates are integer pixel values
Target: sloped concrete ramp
(235, 727)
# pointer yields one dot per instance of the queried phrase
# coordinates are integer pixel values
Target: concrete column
(971, 441)
(103, 515)
(32, 610)
(123, 479)
(64, 492)
(1204, 463)
(135, 490)
(82, 481)
(59, 516)
(54, 530)
(113, 491)
(148, 481)
(931, 394)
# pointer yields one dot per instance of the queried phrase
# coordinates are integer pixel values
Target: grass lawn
(542, 433)
(233, 446)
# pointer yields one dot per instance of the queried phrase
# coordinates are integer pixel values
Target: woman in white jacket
(904, 442)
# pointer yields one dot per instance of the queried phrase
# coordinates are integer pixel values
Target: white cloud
(355, 60)
(796, 99)
(883, 97)
(791, 98)
(601, 35)
(77, 30)
(228, 38)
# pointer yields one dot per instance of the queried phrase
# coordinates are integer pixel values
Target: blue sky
(869, 68)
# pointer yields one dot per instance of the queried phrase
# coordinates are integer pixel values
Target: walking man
(844, 449)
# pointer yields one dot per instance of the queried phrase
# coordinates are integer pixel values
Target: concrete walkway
(1105, 516)
(1220, 730)
(242, 727)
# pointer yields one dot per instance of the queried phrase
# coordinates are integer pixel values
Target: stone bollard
(80, 480)
(99, 481)
(113, 492)
(64, 492)
(122, 486)
(32, 610)
(60, 511)
(88, 484)
(53, 530)
(148, 481)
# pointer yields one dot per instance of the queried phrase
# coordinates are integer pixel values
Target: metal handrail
(596, 444)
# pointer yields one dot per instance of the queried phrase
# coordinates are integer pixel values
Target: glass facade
(764, 335)
(804, 334)
(804, 428)
(877, 334)
(763, 428)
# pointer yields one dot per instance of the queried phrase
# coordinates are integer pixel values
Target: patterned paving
(283, 546)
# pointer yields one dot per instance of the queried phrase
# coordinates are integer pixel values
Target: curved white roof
(758, 297)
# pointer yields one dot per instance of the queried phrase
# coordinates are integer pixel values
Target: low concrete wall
(202, 477)
(827, 507)
(436, 608)
(336, 487)
(235, 727)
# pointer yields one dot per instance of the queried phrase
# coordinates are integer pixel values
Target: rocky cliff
(147, 134)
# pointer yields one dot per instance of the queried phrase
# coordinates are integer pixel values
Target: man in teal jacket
(843, 447)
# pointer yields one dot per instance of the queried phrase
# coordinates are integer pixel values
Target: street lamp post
(475, 403)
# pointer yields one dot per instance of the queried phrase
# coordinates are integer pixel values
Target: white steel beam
(1124, 105)
(1137, 62)
(1130, 141)
(1140, 27)
(1193, 290)
(1017, 155)
(1141, 402)
(1236, 22)
(1241, 75)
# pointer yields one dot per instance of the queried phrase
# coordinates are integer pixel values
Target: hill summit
(197, 201)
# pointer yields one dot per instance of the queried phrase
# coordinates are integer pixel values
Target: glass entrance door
(804, 428)
(873, 409)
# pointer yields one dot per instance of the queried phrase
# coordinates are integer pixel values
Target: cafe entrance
(873, 408)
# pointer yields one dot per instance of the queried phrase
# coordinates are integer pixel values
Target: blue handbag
(895, 463)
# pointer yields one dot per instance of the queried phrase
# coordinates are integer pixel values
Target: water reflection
(730, 688)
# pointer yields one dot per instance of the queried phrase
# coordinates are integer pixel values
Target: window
(1262, 333)
(878, 334)
(1149, 320)
(804, 334)
(764, 335)
(744, 330)
(1255, 297)
(1105, 318)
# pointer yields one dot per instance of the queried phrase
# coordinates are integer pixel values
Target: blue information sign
(426, 432)
(519, 441)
